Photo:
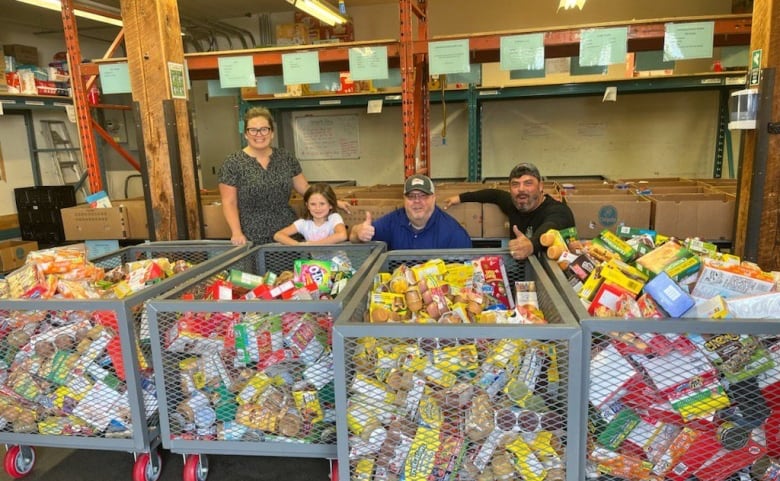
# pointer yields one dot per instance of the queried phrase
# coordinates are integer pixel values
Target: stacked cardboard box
(126, 219)
(682, 208)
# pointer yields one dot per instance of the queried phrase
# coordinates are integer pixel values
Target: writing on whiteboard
(325, 137)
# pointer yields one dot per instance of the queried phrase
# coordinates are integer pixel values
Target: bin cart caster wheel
(19, 461)
(147, 468)
(334, 470)
(196, 468)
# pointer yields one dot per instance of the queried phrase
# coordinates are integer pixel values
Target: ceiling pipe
(240, 31)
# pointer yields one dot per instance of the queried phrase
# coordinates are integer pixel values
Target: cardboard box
(706, 216)
(214, 223)
(653, 180)
(377, 208)
(291, 34)
(24, 54)
(649, 189)
(14, 253)
(495, 224)
(126, 220)
(468, 214)
(594, 213)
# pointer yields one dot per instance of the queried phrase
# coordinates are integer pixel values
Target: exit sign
(755, 67)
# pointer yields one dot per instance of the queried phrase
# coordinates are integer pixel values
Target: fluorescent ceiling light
(319, 10)
(567, 4)
(57, 5)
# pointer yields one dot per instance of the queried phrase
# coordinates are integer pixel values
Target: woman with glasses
(255, 183)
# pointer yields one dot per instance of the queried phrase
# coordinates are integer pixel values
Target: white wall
(639, 135)
(609, 136)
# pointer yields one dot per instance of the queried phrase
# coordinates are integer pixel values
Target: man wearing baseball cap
(531, 212)
(420, 224)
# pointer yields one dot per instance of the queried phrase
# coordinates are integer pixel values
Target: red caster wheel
(19, 461)
(196, 468)
(147, 467)
(334, 470)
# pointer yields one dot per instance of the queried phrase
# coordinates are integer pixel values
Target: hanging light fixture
(319, 10)
(79, 11)
(567, 4)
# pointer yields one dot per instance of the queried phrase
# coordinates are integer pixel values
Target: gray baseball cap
(419, 182)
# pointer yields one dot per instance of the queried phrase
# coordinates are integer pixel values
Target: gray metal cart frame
(164, 311)
(562, 328)
(128, 313)
(595, 330)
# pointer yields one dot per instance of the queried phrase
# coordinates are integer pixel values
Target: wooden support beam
(759, 178)
(152, 40)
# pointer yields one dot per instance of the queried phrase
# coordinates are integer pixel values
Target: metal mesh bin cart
(77, 373)
(682, 399)
(431, 399)
(679, 399)
(246, 360)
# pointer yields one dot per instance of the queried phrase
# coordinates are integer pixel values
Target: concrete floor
(55, 464)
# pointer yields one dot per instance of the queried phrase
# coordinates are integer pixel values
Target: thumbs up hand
(520, 247)
(364, 231)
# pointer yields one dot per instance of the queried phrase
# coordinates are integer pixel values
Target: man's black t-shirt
(550, 214)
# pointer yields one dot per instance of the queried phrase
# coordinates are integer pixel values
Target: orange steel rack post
(415, 99)
(86, 137)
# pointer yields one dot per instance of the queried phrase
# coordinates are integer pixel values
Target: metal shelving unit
(410, 53)
(25, 105)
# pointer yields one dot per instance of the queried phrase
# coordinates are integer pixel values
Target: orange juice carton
(718, 278)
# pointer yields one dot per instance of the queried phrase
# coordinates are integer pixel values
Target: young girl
(321, 224)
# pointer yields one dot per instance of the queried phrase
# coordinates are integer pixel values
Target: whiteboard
(323, 137)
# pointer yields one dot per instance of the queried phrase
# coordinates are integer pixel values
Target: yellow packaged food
(420, 461)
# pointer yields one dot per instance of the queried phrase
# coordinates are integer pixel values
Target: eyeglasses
(261, 131)
(417, 196)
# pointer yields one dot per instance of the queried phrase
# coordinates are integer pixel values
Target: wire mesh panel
(678, 400)
(249, 374)
(682, 400)
(440, 400)
(77, 373)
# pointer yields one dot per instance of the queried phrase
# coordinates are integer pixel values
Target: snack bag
(490, 274)
(313, 272)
